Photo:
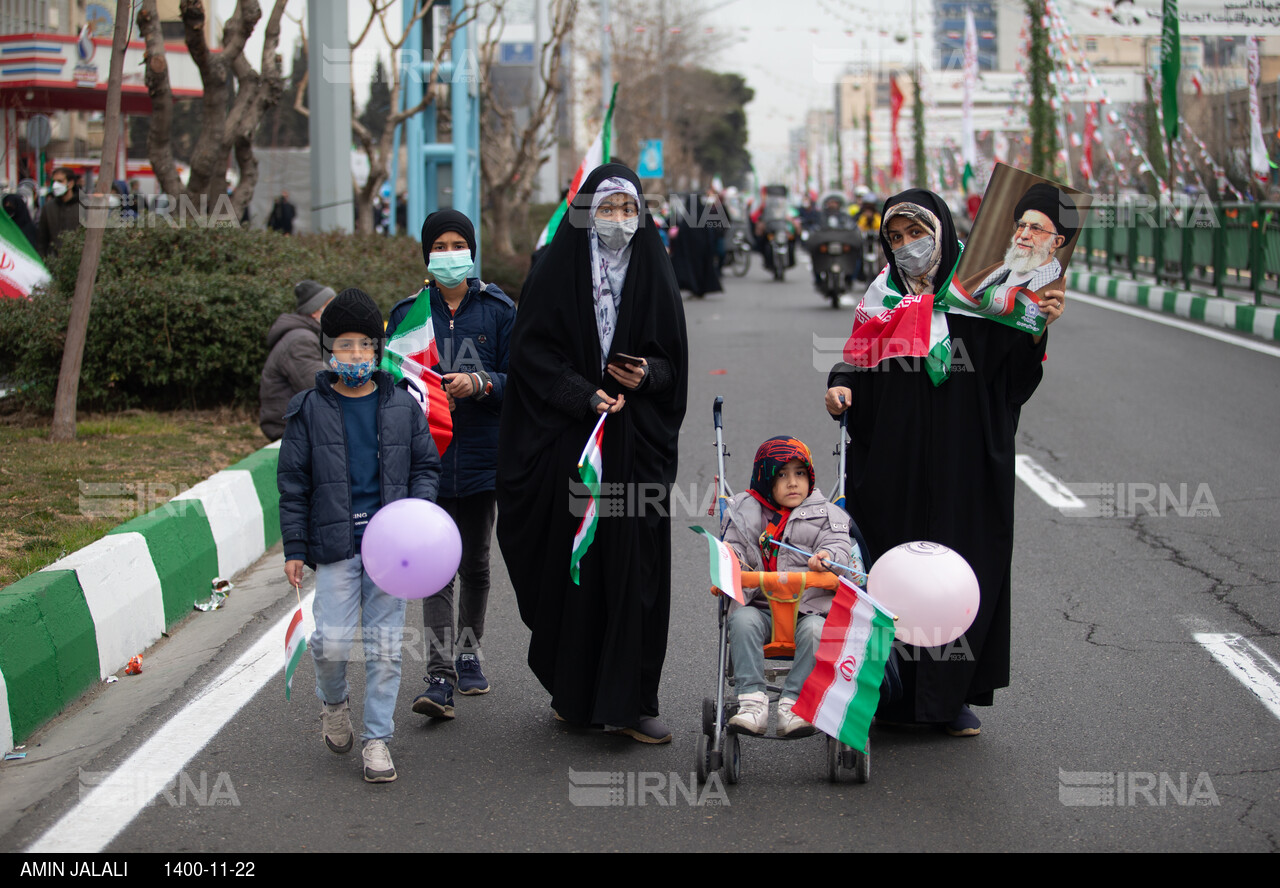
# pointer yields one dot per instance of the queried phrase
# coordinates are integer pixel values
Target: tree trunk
(64, 407)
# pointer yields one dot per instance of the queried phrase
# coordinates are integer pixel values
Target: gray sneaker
(335, 727)
(377, 763)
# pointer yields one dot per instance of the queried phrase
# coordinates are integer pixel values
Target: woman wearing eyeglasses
(934, 399)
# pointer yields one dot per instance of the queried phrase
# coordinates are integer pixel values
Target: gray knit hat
(311, 296)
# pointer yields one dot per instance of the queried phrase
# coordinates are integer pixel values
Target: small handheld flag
(726, 571)
(295, 643)
(841, 693)
(590, 470)
(410, 354)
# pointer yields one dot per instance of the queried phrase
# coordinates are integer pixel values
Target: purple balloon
(411, 548)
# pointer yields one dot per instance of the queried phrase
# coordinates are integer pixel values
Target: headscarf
(16, 208)
(771, 456)
(944, 232)
(608, 267)
(921, 283)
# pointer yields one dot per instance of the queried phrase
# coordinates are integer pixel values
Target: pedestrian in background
(294, 356)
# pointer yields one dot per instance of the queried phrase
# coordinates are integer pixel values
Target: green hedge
(180, 315)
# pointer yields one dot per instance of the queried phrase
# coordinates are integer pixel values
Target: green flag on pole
(1170, 68)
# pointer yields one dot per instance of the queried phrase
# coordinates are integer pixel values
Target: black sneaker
(966, 724)
(437, 702)
(471, 680)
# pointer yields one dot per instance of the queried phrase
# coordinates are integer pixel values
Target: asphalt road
(1120, 732)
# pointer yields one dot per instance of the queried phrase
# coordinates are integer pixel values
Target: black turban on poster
(1057, 205)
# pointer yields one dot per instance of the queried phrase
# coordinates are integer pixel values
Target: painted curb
(70, 625)
(1255, 320)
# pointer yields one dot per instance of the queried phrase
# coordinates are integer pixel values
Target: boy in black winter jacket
(351, 445)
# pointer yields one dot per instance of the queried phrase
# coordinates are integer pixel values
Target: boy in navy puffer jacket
(351, 445)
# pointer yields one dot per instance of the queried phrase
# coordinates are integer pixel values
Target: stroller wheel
(833, 760)
(862, 765)
(708, 716)
(732, 759)
(702, 763)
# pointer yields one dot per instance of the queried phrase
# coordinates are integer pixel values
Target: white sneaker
(790, 724)
(335, 727)
(377, 763)
(753, 713)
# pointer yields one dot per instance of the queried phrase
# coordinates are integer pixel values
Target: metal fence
(1200, 245)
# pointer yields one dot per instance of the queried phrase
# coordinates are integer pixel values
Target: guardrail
(1196, 243)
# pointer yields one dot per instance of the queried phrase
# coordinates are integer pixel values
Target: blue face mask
(353, 375)
(450, 268)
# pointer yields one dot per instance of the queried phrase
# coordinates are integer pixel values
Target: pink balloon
(931, 588)
(411, 548)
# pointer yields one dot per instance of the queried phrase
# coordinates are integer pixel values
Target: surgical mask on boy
(353, 375)
(616, 235)
(450, 267)
(914, 258)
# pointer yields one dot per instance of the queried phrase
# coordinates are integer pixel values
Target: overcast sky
(789, 52)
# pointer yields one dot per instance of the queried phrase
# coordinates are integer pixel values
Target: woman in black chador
(604, 290)
(932, 449)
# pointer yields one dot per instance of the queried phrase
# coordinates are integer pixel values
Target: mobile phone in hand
(620, 358)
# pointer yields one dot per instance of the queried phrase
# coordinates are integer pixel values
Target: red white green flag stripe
(410, 354)
(726, 571)
(295, 643)
(841, 693)
(21, 270)
(590, 470)
(597, 155)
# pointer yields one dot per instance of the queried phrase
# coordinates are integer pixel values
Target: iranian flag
(590, 470)
(887, 324)
(410, 354)
(295, 643)
(726, 572)
(841, 693)
(21, 270)
(597, 155)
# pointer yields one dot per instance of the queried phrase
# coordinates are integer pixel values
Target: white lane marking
(117, 797)
(1247, 662)
(1045, 485)
(1241, 339)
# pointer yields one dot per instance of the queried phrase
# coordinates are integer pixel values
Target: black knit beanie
(352, 311)
(442, 222)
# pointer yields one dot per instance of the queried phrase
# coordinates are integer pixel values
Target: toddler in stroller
(782, 504)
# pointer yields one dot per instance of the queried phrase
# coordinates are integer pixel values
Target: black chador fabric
(597, 647)
(693, 251)
(936, 463)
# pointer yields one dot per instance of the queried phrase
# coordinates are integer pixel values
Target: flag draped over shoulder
(841, 693)
(21, 270)
(410, 354)
(597, 155)
(590, 470)
(726, 571)
(295, 643)
(887, 324)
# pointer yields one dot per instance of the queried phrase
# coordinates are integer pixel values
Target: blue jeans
(749, 632)
(346, 598)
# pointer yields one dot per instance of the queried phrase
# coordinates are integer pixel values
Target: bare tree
(236, 96)
(517, 135)
(378, 146)
(656, 45)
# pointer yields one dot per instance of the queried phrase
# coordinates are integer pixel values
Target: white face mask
(616, 235)
(57, 189)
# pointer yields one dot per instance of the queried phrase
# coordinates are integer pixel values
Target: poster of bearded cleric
(1019, 248)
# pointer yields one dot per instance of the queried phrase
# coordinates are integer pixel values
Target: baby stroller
(719, 747)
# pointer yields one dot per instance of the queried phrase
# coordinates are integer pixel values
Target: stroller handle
(715, 412)
(774, 580)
